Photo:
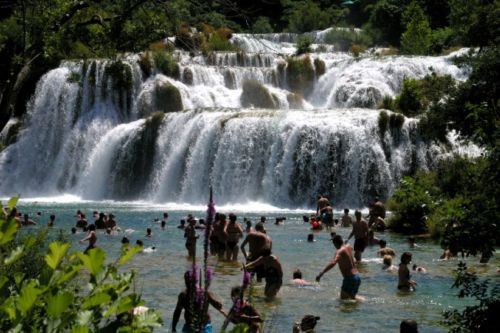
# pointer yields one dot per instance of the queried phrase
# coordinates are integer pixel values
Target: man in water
(218, 237)
(273, 272)
(346, 219)
(189, 301)
(344, 258)
(191, 237)
(258, 244)
(384, 250)
(360, 233)
(323, 202)
(234, 232)
(297, 279)
(327, 217)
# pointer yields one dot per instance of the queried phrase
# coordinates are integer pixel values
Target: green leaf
(129, 254)
(122, 305)
(79, 329)
(28, 296)
(148, 319)
(14, 255)
(12, 202)
(7, 231)
(3, 281)
(56, 254)
(58, 303)
(94, 260)
(97, 299)
(84, 318)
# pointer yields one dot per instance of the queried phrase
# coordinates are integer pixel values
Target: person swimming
(405, 283)
(297, 279)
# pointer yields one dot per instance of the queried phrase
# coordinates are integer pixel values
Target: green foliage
(168, 98)
(481, 316)
(262, 25)
(257, 95)
(383, 120)
(166, 64)
(121, 75)
(441, 40)
(74, 77)
(303, 45)
(300, 75)
(219, 42)
(411, 203)
(344, 39)
(387, 103)
(385, 21)
(417, 37)
(52, 300)
(408, 102)
(307, 15)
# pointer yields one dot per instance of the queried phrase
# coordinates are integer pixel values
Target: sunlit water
(160, 273)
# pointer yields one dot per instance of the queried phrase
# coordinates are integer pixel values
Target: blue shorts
(206, 329)
(350, 285)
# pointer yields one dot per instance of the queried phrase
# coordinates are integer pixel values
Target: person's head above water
(337, 241)
(297, 274)
(408, 326)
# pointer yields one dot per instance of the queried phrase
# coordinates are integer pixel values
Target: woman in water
(91, 237)
(404, 283)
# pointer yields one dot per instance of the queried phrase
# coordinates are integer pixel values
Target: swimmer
(273, 272)
(344, 258)
(310, 238)
(411, 240)
(191, 237)
(297, 279)
(234, 232)
(385, 250)
(248, 228)
(307, 324)
(149, 249)
(405, 283)
(259, 243)
(91, 238)
(408, 326)
(218, 237)
(52, 218)
(263, 219)
(346, 221)
(148, 233)
(82, 221)
(419, 269)
(139, 243)
(182, 224)
(27, 221)
(111, 222)
(305, 218)
(73, 230)
(163, 224)
(388, 266)
(360, 233)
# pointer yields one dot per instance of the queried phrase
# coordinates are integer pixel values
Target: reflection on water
(160, 272)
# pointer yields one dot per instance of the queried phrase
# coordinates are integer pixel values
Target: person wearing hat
(344, 258)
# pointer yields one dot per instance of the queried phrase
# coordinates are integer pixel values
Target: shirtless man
(360, 233)
(327, 217)
(383, 251)
(273, 272)
(346, 219)
(322, 203)
(344, 258)
(234, 232)
(258, 243)
(218, 236)
(191, 237)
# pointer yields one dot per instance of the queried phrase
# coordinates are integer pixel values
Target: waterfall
(104, 129)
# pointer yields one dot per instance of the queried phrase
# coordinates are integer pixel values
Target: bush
(257, 95)
(300, 75)
(303, 45)
(387, 103)
(411, 203)
(219, 42)
(417, 37)
(409, 101)
(168, 98)
(441, 39)
(166, 64)
(51, 299)
(344, 39)
(262, 26)
(121, 75)
(480, 317)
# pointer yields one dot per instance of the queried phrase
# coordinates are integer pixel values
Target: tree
(417, 37)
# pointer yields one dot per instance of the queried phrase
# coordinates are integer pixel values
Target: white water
(79, 136)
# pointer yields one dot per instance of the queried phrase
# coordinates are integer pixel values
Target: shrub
(300, 75)
(319, 67)
(383, 121)
(121, 75)
(480, 317)
(417, 37)
(409, 101)
(303, 45)
(343, 39)
(166, 64)
(51, 299)
(411, 203)
(257, 95)
(219, 42)
(168, 98)
(441, 39)
(387, 103)
(74, 77)
(262, 26)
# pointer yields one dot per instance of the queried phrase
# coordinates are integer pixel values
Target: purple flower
(247, 277)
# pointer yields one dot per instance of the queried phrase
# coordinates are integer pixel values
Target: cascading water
(84, 135)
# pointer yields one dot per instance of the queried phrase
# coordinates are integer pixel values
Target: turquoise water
(160, 273)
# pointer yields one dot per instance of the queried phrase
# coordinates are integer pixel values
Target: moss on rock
(166, 64)
(319, 67)
(168, 98)
(257, 95)
(295, 101)
(300, 75)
